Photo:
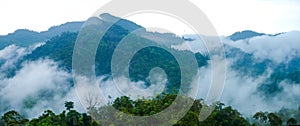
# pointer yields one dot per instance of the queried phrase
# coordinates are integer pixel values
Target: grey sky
(228, 16)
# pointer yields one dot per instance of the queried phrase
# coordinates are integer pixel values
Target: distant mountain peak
(67, 24)
(66, 27)
(128, 25)
(23, 30)
(244, 35)
(108, 17)
(25, 37)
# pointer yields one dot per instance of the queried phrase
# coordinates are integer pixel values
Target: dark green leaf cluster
(68, 117)
(221, 116)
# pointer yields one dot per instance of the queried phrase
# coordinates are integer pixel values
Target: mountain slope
(244, 35)
(60, 49)
(66, 27)
(248, 64)
(247, 34)
(25, 38)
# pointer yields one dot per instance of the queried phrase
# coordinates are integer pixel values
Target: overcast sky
(228, 16)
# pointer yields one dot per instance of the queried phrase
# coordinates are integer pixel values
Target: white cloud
(10, 55)
(30, 80)
(241, 91)
(280, 49)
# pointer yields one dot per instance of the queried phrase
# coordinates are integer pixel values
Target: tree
(13, 118)
(225, 116)
(87, 120)
(92, 101)
(73, 118)
(48, 118)
(291, 121)
(123, 104)
(69, 105)
(261, 116)
(274, 120)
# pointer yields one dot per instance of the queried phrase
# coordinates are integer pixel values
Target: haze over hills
(247, 34)
(244, 35)
(25, 37)
(262, 69)
(59, 49)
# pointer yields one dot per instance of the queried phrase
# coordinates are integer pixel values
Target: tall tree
(13, 118)
(274, 120)
(291, 121)
(69, 105)
(261, 116)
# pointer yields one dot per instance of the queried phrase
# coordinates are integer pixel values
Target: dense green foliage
(60, 49)
(221, 116)
(68, 117)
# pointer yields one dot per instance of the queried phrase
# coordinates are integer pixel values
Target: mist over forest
(261, 87)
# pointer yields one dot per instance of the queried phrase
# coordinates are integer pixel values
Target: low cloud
(280, 49)
(103, 90)
(32, 82)
(10, 55)
(241, 90)
(34, 76)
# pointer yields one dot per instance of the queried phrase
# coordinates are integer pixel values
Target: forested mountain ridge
(56, 53)
(257, 80)
(60, 49)
(25, 37)
(247, 34)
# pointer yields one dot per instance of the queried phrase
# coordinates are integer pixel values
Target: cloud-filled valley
(254, 66)
(262, 72)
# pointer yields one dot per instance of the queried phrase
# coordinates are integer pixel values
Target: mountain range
(59, 41)
(25, 37)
